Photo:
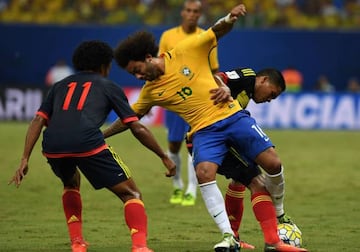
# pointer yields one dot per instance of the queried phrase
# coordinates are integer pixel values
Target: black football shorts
(238, 168)
(104, 169)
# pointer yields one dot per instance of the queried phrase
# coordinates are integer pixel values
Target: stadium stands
(298, 14)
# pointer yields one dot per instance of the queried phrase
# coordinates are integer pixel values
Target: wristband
(227, 19)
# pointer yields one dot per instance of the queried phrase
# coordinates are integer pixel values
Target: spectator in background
(3, 4)
(310, 14)
(330, 14)
(58, 72)
(293, 79)
(324, 85)
(353, 85)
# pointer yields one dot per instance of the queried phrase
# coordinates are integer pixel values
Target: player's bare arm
(115, 128)
(144, 135)
(32, 136)
(222, 94)
(225, 24)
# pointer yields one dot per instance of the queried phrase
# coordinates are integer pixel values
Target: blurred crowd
(298, 14)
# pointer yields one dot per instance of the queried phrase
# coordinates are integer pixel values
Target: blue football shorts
(104, 169)
(235, 166)
(239, 131)
(176, 127)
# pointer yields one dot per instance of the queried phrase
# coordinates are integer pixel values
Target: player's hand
(221, 95)
(170, 166)
(20, 173)
(237, 11)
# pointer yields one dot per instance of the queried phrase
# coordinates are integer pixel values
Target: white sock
(177, 180)
(275, 184)
(192, 180)
(215, 205)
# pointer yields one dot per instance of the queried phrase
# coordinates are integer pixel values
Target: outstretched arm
(225, 24)
(144, 135)
(32, 136)
(115, 128)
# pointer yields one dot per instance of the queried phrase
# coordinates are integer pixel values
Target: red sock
(136, 220)
(265, 213)
(234, 204)
(72, 208)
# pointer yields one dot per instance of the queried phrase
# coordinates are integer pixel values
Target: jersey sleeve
(121, 104)
(241, 82)
(213, 59)
(243, 99)
(203, 42)
(46, 107)
(143, 104)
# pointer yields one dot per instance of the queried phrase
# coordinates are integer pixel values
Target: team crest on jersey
(187, 72)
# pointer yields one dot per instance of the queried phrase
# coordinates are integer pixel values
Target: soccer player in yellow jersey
(181, 80)
(263, 86)
(176, 126)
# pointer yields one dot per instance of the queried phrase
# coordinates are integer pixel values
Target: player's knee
(72, 182)
(174, 147)
(126, 190)
(130, 196)
(235, 182)
(274, 167)
(135, 195)
(257, 184)
(205, 173)
(269, 161)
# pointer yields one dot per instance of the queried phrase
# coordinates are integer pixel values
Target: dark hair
(91, 55)
(275, 77)
(135, 47)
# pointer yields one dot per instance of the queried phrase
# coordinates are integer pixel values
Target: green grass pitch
(322, 195)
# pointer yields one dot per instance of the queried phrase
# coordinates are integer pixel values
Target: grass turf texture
(322, 184)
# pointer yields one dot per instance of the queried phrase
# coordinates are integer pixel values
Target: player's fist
(236, 12)
(170, 166)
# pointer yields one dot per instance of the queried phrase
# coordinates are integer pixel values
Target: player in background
(263, 86)
(176, 126)
(73, 112)
(182, 81)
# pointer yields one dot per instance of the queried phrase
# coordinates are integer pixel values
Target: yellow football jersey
(185, 86)
(170, 38)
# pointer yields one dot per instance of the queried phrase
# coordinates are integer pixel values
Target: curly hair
(275, 77)
(91, 55)
(135, 47)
